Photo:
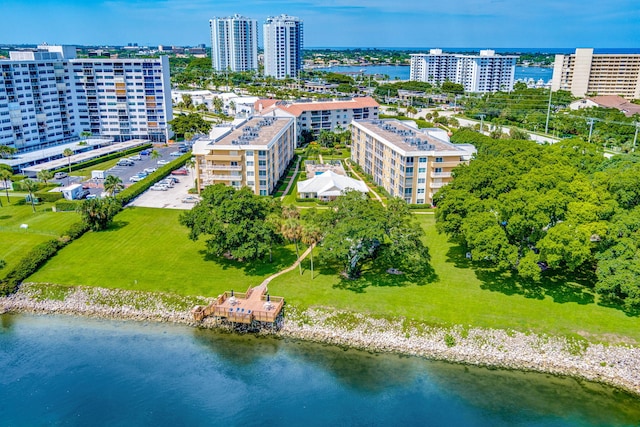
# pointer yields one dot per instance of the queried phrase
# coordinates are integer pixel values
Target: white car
(163, 162)
(150, 170)
(135, 178)
(190, 199)
(157, 187)
(175, 154)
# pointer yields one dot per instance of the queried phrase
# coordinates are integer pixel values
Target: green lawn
(461, 295)
(147, 249)
(43, 225)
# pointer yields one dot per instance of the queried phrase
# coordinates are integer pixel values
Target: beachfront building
(316, 116)
(234, 43)
(585, 72)
(253, 152)
(49, 97)
(407, 162)
(485, 72)
(283, 41)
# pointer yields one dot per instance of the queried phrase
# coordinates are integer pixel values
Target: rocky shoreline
(615, 365)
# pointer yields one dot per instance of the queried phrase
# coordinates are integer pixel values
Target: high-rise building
(234, 43)
(486, 72)
(585, 72)
(48, 96)
(407, 162)
(283, 41)
(254, 153)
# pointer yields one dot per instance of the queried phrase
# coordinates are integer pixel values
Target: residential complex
(234, 43)
(585, 72)
(253, 152)
(407, 162)
(315, 116)
(48, 96)
(283, 41)
(486, 72)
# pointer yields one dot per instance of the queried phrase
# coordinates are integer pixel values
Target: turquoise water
(403, 72)
(71, 371)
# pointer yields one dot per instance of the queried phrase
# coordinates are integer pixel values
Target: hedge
(37, 256)
(102, 159)
(67, 205)
(140, 187)
(45, 196)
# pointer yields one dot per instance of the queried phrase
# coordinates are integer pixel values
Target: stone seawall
(616, 365)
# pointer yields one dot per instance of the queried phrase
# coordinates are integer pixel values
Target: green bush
(16, 178)
(20, 186)
(76, 230)
(308, 200)
(67, 205)
(45, 196)
(29, 264)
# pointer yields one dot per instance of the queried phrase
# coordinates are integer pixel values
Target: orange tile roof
(297, 108)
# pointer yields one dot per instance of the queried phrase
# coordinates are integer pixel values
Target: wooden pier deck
(243, 307)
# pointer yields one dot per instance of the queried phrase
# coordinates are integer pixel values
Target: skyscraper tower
(234, 43)
(283, 41)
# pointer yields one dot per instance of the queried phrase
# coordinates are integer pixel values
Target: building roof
(252, 132)
(613, 101)
(297, 108)
(330, 184)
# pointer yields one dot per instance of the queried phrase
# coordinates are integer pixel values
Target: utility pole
(482, 116)
(635, 137)
(546, 126)
(591, 121)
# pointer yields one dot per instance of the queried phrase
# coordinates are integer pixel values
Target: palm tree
(191, 164)
(68, 153)
(45, 176)
(31, 187)
(155, 154)
(112, 184)
(311, 235)
(6, 151)
(5, 176)
(292, 230)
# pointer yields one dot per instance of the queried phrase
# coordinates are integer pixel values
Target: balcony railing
(441, 175)
(222, 168)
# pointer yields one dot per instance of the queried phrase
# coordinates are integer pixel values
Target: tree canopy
(236, 223)
(548, 210)
(189, 124)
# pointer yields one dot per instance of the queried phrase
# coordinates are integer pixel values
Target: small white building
(72, 192)
(328, 185)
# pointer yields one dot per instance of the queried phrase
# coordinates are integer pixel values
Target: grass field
(147, 249)
(43, 225)
(462, 295)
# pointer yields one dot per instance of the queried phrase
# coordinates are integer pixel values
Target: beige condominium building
(407, 162)
(252, 153)
(585, 72)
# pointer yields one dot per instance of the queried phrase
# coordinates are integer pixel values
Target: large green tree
(98, 213)
(235, 223)
(189, 124)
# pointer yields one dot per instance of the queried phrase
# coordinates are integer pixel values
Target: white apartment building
(585, 72)
(234, 43)
(407, 162)
(48, 96)
(316, 116)
(254, 153)
(283, 41)
(486, 72)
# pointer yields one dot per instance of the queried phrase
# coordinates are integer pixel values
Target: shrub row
(45, 196)
(101, 159)
(37, 256)
(312, 200)
(67, 205)
(140, 187)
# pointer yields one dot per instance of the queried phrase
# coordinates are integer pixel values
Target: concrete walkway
(293, 178)
(370, 189)
(262, 287)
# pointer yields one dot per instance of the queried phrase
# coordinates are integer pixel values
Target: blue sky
(333, 23)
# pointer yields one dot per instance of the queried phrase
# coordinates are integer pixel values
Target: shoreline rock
(614, 365)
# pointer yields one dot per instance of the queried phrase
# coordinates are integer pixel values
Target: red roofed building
(316, 116)
(607, 101)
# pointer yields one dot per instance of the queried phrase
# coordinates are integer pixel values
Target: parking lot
(172, 198)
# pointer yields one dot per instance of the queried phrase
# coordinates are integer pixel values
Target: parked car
(183, 149)
(92, 196)
(146, 152)
(85, 194)
(135, 157)
(159, 187)
(175, 154)
(150, 170)
(181, 171)
(125, 162)
(172, 179)
(60, 175)
(136, 178)
(190, 199)
(163, 162)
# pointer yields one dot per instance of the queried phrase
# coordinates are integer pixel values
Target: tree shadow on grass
(282, 257)
(562, 288)
(115, 226)
(5, 217)
(377, 275)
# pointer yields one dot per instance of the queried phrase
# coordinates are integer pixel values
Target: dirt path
(262, 286)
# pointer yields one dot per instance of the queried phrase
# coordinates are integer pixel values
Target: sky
(332, 23)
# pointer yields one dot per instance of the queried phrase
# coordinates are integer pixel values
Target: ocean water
(58, 370)
(403, 72)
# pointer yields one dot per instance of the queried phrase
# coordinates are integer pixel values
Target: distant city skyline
(331, 23)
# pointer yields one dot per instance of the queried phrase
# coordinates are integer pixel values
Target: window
(438, 159)
(423, 160)
(438, 170)
(422, 170)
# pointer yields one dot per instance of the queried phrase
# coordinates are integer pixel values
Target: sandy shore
(616, 365)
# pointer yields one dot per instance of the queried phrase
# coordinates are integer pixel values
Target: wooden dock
(253, 307)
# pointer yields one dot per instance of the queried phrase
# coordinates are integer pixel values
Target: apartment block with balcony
(234, 43)
(254, 153)
(486, 72)
(407, 162)
(283, 41)
(586, 73)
